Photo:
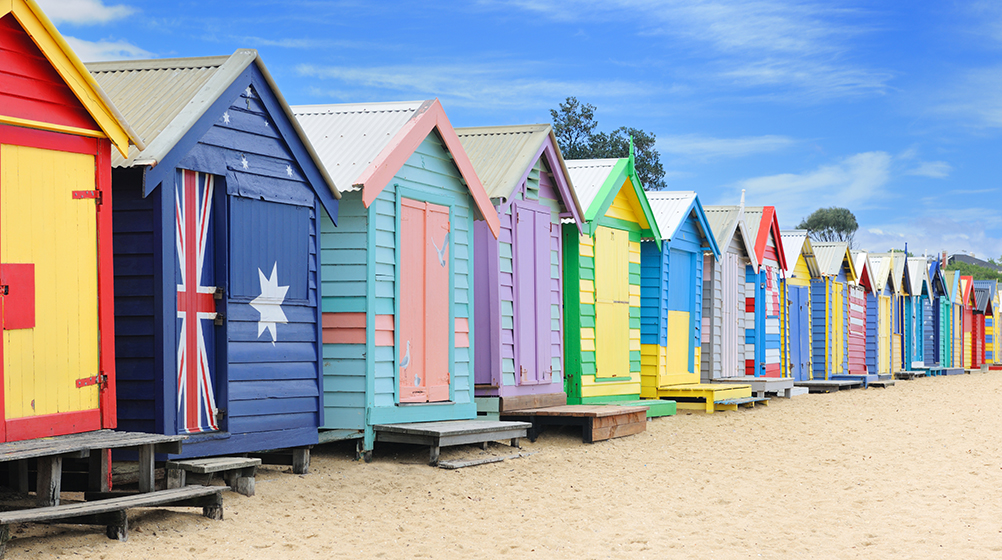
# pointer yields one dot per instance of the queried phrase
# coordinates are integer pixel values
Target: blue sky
(892, 109)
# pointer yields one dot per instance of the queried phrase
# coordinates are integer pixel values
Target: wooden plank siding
(723, 336)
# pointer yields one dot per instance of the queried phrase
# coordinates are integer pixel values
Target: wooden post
(18, 476)
(433, 458)
(147, 482)
(119, 528)
(98, 470)
(214, 511)
(175, 478)
(301, 460)
(49, 481)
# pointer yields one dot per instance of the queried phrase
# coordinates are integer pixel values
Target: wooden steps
(598, 421)
(865, 379)
(882, 383)
(703, 396)
(238, 472)
(110, 509)
(454, 432)
(829, 385)
(912, 374)
(954, 371)
(656, 408)
(762, 386)
(328, 436)
(746, 402)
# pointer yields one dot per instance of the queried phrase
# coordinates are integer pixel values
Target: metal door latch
(100, 379)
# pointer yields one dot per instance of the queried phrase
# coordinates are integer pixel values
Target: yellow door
(42, 224)
(612, 303)
(884, 334)
(838, 353)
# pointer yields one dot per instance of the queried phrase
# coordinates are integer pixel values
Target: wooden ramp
(598, 421)
(829, 385)
(704, 396)
(746, 402)
(454, 432)
(762, 386)
(865, 379)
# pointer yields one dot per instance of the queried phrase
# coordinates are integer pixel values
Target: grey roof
(918, 271)
(971, 260)
(753, 217)
(349, 136)
(164, 98)
(984, 292)
(880, 270)
(830, 256)
(501, 154)
(725, 222)
(588, 176)
(796, 242)
(670, 209)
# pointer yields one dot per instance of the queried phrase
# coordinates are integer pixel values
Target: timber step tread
(98, 439)
(701, 387)
(145, 499)
(656, 408)
(882, 383)
(598, 422)
(206, 465)
(744, 400)
(449, 427)
(829, 385)
(451, 432)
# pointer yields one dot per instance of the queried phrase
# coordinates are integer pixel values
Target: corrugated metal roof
(501, 154)
(349, 136)
(880, 269)
(588, 176)
(753, 217)
(918, 271)
(984, 291)
(830, 256)
(670, 209)
(795, 243)
(723, 221)
(153, 93)
(898, 270)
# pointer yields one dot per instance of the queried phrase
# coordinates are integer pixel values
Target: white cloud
(468, 85)
(97, 51)
(698, 146)
(83, 12)
(935, 232)
(933, 169)
(852, 182)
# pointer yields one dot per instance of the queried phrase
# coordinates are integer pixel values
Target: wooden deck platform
(762, 386)
(656, 408)
(328, 436)
(829, 385)
(454, 432)
(866, 379)
(912, 374)
(882, 383)
(702, 396)
(598, 421)
(746, 402)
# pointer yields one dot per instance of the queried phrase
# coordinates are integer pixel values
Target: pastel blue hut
(217, 309)
(398, 303)
(918, 313)
(939, 353)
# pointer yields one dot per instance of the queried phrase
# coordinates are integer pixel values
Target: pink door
(423, 345)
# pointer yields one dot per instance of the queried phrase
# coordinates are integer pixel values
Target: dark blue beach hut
(215, 233)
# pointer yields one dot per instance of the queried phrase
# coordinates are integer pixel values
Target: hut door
(531, 273)
(730, 303)
(612, 303)
(48, 248)
(197, 371)
(681, 297)
(425, 310)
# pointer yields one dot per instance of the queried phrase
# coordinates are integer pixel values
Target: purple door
(531, 270)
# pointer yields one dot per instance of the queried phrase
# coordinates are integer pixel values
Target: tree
(831, 224)
(978, 272)
(574, 126)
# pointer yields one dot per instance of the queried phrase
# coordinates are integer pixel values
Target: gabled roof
(73, 72)
(364, 145)
(762, 220)
(984, 291)
(880, 271)
(832, 256)
(672, 208)
(862, 264)
(726, 222)
(937, 279)
(503, 157)
(798, 242)
(167, 99)
(953, 285)
(967, 290)
(598, 181)
(896, 269)
(918, 272)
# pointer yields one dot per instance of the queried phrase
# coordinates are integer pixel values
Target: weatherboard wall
(360, 267)
(723, 343)
(263, 222)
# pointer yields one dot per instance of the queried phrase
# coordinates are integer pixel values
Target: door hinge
(96, 195)
(100, 379)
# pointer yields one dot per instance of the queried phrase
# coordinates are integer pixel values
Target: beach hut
(217, 305)
(918, 313)
(879, 315)
(830, 309)
(58, 130)
(518, 276)
(938, 356)
(671, 299)
(398, 299)
(602, 281)
(984, 309)
(763, 294)
(967, 302)
(857, 339)
(802, 267)
(899, 280)
(992, 340)
(956, 323)
(723, 345)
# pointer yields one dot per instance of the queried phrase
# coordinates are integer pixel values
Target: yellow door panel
(41, 223)
(612, 303)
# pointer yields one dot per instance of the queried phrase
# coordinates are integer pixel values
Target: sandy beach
(912, 471)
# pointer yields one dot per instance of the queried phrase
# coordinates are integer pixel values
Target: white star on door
(269, 303)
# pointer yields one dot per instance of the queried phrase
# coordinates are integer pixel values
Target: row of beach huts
(185, 257)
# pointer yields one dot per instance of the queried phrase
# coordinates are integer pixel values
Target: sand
(912, 471)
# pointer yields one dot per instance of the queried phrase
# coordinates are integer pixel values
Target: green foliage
(831, 224)
(574, 126)
(978, 272)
